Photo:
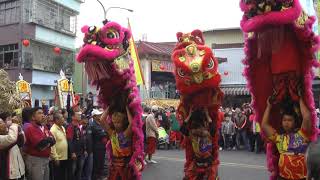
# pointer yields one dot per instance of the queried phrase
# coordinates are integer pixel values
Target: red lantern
(26, 43)
(226, 73)
(57, 50)
(162, 67)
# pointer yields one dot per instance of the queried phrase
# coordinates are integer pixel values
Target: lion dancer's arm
(184, 129)
(306, 126)
(214, 134)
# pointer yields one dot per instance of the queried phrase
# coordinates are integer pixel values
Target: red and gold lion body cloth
(198, 80)
(280, 49)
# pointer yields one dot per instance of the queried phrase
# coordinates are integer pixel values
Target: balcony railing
(42, 57)
(51, 15)
(158, 94)
(48, 65)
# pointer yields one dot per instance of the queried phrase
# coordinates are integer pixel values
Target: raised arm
(183, 129)
(207, 115)
(103, 121)
(128, 131)
(189, 116)
(306, 116)
(267, 129)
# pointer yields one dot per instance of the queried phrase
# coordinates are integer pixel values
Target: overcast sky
(161, 19)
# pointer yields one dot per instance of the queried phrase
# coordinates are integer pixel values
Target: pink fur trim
(121, 30)
(272, 18)
(85, 29)
(306, 37)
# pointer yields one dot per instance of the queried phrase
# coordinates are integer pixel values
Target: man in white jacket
(10, 149)
(152, 135)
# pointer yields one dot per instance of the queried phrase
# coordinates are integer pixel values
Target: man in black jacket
(99, 141)
(76, 145)
(88, 162)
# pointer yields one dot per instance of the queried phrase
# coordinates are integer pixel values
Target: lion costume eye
(180, 72)
(211, 64)
(112, 34)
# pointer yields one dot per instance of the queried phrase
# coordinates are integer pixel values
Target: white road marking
(240, 165)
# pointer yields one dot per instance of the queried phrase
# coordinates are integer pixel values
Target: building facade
(227, 44)
(157, 70)
(49, 27)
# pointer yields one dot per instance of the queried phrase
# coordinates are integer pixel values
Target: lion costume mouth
(105, 69)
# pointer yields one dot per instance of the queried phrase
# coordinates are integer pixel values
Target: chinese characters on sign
(24, 90)
(64, 88)
(162, 66)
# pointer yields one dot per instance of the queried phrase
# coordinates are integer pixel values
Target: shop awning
(235, 91)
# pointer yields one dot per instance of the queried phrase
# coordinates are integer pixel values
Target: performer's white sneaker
(153, 162)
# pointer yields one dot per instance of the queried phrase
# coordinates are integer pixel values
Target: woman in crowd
(11, 137)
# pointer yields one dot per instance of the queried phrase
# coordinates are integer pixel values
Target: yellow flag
(136, 60)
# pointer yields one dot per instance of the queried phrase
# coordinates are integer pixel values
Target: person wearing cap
(99, 141)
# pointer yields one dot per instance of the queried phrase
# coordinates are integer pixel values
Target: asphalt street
(234, 165)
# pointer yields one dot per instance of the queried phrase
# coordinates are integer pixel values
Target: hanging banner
(65, 88)
(162, 66)
(135, 56)
(24, 90)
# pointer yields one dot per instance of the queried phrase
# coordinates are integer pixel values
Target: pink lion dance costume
(110, 68)
(279, 48)
(198, 82)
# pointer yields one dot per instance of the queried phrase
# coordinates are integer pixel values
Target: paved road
(235, 165)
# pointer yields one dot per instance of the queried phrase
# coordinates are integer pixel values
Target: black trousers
(60, 171)
(257, 145)
(99, 157)
(228, 141)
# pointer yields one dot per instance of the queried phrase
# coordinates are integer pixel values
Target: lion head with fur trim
(196, 68)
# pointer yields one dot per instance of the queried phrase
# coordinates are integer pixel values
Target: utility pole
(84, 83)
(69, 101)
(21, 35)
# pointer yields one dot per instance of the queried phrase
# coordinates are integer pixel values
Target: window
(51, 102)
(53, 15)
(9, 56)
(36, 103)
(41, 56)
(9, 12)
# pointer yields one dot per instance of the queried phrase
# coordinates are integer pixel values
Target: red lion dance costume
(110, 68)
(280, 53)
(198, 82)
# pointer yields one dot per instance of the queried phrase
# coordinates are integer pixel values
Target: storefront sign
(162, 66)
(24, 90)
